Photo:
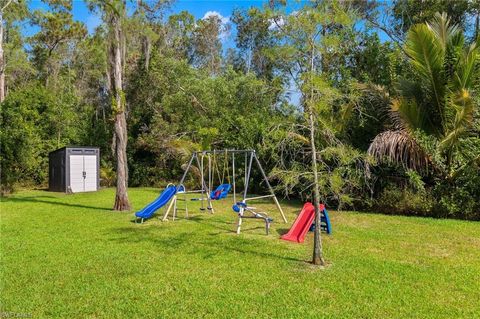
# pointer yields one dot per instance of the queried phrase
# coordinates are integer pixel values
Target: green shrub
(460, 198)
(33, 122)
(107, 175)
(402, 200)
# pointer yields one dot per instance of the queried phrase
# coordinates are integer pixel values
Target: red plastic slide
(302, 224)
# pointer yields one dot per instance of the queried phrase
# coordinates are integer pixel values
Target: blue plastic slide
(162, 200)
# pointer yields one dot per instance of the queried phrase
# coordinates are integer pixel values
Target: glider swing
(206, 171)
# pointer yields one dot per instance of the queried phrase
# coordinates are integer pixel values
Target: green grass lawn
(70, 256)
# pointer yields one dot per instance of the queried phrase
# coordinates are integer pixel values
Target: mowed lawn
(70, 256)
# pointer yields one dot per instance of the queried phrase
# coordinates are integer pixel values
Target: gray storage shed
(74, 169)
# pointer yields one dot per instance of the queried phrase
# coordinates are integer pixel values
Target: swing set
(204, 165)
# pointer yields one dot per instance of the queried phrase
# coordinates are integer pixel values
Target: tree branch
(6, 5)
(389, 33)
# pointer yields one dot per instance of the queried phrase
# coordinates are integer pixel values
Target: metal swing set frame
(205, 191)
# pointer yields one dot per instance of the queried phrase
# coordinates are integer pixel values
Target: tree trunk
(116, 50)
(317, 239)
(147, 49)
(477, 25)
(121, 197)
(2, 62)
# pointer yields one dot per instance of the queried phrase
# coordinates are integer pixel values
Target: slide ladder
(325, 224)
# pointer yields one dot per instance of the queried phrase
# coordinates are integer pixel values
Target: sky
(198, 8)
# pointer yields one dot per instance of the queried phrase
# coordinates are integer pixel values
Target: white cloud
(209, 14)
(280, 20)
(274, 24)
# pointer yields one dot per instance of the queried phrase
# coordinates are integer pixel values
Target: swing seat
(220, 192)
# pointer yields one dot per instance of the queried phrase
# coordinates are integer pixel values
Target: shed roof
(75, 147)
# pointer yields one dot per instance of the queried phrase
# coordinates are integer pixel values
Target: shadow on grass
(141, 234)
(210, 246)
(282, 231)
(39, 199)
(43, 189)
(263, 254)
(211, 223)
(231, 227)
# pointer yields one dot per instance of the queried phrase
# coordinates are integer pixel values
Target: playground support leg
(280, 208)
(174, 208)
(247, 176)
(210, 181)
(186, 206)
(174, 199)
(202, 178)
(239, 224)
(233, 179)
(270, 188)
(187, 169)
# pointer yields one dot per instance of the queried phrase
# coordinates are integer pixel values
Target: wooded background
(390, 89)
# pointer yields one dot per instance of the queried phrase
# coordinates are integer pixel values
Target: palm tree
(435, 103)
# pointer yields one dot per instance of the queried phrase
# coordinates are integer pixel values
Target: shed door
(90, 168)
(76, 173)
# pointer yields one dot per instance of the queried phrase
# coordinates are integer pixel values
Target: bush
(107, 175)
(402, 200)
(460, 198)
(21, 141)
(33, 121)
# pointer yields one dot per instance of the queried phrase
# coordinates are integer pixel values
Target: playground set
(203, 165)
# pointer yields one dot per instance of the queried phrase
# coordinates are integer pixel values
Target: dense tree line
(387, 117)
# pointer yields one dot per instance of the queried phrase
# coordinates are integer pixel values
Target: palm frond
(410, 111)
(461, 107)
(426, 54)
(407, 115)
(463, 111)
(465, 72)
(443, 30)
(400, 148)
(436, 102)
